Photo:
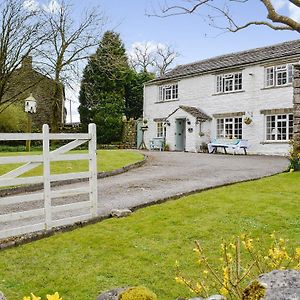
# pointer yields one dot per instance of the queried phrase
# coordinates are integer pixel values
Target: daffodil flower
(54, 297)
(33, 297)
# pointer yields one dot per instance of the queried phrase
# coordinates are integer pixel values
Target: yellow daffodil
(26, 298)
(33, 297)
(54, 297)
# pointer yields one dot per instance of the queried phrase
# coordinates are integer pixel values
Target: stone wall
(296, 109)
(129, 134)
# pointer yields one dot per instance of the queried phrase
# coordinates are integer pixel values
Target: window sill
(226, 93)
(274, 142)
(157, 102)
(277, 87)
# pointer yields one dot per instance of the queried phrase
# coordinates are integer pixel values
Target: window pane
(270, 76)
(290, 73)
(228, 84)
(279, 127)
(219, 84)
(238, 81)
(220, 128)
(281, 75)
(290, 127)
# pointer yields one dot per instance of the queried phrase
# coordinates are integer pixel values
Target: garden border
(38, 235)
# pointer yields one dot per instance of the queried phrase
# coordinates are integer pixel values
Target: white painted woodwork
(31, 161)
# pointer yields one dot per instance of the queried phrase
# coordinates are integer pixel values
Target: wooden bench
(225, 144)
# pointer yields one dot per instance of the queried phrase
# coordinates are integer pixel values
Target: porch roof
(193, 111)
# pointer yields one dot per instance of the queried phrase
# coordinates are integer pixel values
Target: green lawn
(142, 248)
(107, 160)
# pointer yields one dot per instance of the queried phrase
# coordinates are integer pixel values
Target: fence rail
(42, 218)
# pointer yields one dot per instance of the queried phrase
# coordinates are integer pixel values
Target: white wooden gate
(48, 208)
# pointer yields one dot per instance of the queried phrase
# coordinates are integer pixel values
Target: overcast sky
(190, 35)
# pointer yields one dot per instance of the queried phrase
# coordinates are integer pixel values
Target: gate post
(46, 174)
(93, 194)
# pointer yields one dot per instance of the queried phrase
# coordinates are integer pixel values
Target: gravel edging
(30, 237)
(39, 186)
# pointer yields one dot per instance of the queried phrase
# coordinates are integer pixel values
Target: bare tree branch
(20, 34)
(273, 20)
(71, 41)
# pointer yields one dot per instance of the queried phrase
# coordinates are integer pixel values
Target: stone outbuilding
(26, 81)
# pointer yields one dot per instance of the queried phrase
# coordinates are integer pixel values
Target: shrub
(241, 263)
(294, 159)
(13, 119)
(137, 293)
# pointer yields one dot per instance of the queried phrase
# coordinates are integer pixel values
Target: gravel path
(165, 174)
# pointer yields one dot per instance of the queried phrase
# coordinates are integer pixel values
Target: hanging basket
(247, 120)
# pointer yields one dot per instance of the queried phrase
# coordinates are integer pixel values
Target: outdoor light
(167, 123)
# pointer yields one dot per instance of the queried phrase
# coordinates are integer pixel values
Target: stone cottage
(245, 95)
(25, 81)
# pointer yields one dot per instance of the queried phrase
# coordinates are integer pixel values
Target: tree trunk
(296, 111)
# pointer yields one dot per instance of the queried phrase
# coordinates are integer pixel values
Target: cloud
(294, 12)
(148, 46)
(52, 7)
(278, 4)
(32, 5)
(289, 8)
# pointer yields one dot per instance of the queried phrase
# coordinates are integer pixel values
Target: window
(168, 92)
(160, 129)
(230, 128)
(279, 127)
(229, 82)
(279, 75)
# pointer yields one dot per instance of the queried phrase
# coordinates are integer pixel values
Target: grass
(108, 160)
(142, 248)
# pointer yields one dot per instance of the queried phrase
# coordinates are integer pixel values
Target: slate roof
(287, 49)
(193, 111)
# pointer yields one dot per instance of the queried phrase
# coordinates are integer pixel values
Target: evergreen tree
(102, 94)
(135, 92)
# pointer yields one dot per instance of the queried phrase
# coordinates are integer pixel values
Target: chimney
(27, 62)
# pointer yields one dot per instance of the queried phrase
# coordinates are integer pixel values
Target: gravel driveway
(167, 174)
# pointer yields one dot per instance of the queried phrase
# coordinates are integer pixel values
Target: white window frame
(229, 83)
(161, 129)
(272, 77)
(168, 92)
(223, 125)
(277, 130)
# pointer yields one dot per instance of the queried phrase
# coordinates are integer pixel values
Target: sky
(190, 35)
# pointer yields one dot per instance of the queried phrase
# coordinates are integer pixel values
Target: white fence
(11, 219)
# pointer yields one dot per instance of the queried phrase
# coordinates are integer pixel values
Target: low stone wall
(129, 134)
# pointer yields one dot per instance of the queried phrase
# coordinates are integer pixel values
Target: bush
(241, 262)
(13, 119)
(137, 293)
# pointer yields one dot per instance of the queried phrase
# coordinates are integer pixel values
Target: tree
(102, 93)
(21, 33)
(165, 56)
(214, 9)
(71, 40)
(134, 93)
(150, 57)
